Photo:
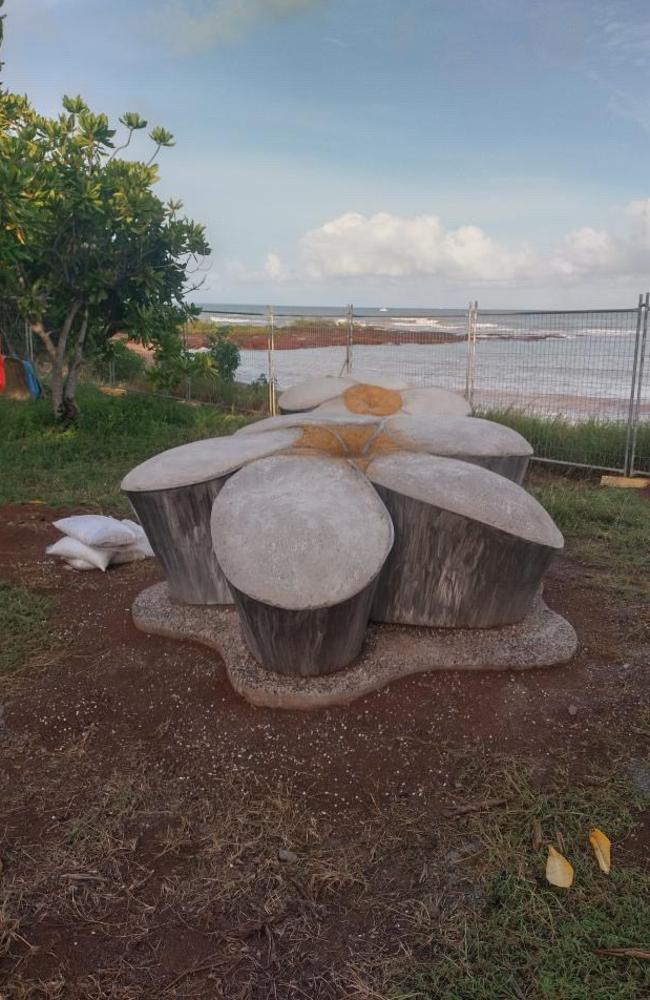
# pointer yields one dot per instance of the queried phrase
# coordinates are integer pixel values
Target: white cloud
(624, 253)
(638, 214)
(193, 25)
(586, 251)
(402, 247)
(394, 246)
(274, 268)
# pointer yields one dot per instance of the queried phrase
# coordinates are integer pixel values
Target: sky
(378, 152)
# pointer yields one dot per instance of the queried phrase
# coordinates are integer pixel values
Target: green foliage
(84, 464)
(225, 354)
(127, 365)
(23, 625)
(174, 365)
(86, 246)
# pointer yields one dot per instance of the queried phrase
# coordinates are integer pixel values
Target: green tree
(224, 353)
(86, 246)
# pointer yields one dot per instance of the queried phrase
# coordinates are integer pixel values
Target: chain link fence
(574, 383)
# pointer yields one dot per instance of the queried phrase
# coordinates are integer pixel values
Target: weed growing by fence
(590, 442)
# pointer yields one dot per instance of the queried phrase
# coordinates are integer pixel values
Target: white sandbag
(71, 548)
(97, 530)
(78, 564)
(143, 541)
(131, 553)
(134, 526)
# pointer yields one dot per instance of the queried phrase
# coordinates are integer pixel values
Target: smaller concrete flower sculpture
(362, 502)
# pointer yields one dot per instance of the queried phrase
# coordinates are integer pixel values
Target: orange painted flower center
(372, 399)
(359, 444)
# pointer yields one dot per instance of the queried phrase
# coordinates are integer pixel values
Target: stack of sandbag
(93, 541)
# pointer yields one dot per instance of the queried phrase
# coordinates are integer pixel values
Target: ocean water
(574, 364)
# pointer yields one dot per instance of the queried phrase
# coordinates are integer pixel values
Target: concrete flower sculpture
(361, 503)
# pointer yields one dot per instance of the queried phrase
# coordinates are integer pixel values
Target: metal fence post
(349, 337)
(472, 313)
(627, 462)
(469, 333)
(473, 364)
(639, 382)
(271, 360)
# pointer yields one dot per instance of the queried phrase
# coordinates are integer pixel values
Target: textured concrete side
(542, 639)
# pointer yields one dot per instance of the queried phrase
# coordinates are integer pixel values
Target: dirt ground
(161, 838)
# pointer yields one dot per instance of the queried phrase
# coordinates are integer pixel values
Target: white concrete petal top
(467, 490)
(307, 395)
(334, 408)
(456, 436)
(201, 461)
(431, 401)
(305, 419)
(427, 401)
(298, 532)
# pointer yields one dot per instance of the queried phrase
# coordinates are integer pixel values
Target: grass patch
(83, 465)
(532, 943)
(590, 442)
(23, 625)
(526, 939)
(607, 529)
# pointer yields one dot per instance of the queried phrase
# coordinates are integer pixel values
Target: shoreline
(307, 336)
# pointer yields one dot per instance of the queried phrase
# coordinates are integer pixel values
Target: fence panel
(424, 347)
(308, 346)
(564, 378)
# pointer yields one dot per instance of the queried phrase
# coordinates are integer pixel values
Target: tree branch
(65, 329)
(40, 331)
(118, 149)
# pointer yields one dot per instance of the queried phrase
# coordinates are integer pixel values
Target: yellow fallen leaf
(559, 871)
(602, 848)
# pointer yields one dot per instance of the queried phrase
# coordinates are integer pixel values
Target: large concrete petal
(470, 546)
(308, 419)
(470, 439)
(301, 540)
(200, 461)
(432, 401)
(297, 531)
(172, 494)
(309, 394)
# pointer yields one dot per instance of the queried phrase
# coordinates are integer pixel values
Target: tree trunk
(63, 405)
(70, 410)
(56, 387)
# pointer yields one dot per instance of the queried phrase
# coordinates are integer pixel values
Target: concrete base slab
(542, 639)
